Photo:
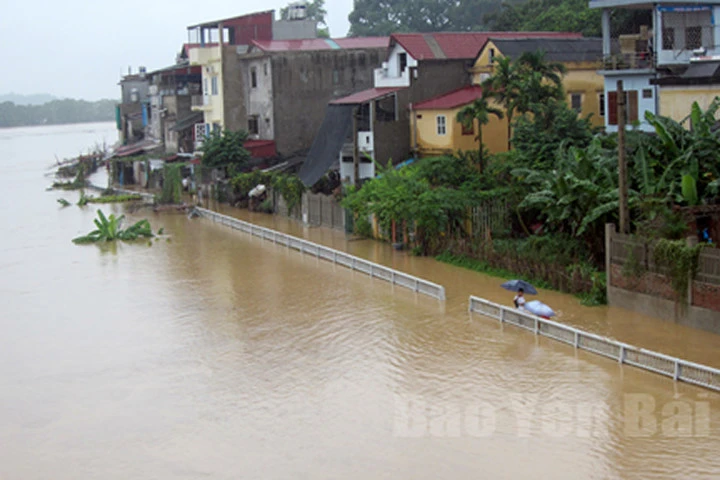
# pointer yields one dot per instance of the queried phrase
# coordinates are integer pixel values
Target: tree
(384, 17)
(538, 81)
(503, 86)
(315, 11)
(546, 15)
(225, 150)
(478, 110)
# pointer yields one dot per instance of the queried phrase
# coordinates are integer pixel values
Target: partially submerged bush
(108, 229)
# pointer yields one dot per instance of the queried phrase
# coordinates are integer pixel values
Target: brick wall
(649, 283)
(706, 295)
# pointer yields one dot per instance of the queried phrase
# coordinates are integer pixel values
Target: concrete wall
(676, 101)
(652, 294)
(294, 29)
(177, 107)
(233, 91)
(304, 82)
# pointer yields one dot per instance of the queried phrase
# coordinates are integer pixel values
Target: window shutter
(612, 108)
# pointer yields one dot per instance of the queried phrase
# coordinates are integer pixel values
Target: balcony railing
(629, 61)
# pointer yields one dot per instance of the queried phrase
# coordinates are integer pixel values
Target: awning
(187, 122)
(365, 96)
(702, 69)
(328, 142)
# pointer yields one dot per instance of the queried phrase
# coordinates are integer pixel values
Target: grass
(593, 298)
(483, 267)
(115, 198)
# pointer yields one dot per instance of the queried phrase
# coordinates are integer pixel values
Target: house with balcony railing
(172, 92)
(656, 40)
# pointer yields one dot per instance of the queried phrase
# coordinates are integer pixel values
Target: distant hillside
(17, 99)
(56, 112)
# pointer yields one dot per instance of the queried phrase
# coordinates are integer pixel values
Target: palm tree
(503, 86)
(478, 110)
(538, 80)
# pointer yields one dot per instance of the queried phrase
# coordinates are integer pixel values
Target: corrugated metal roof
(556, 49)
(365, 96)
(456, 98)
(312, 44)
(459, 45)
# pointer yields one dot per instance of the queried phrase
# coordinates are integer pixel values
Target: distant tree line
(384, 17)
(56, 112)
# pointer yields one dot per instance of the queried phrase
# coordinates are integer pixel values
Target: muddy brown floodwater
(211, 354)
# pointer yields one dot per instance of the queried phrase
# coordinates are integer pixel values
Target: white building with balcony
(673, 33)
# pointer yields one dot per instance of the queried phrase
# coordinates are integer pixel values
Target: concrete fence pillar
(691, 242)
(609, 232)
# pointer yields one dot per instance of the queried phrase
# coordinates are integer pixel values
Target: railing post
(502, 315)
(392, 277)
(621, 357)
(536, 326)
(577, 339)
(417, 285)
(676, 374)
(334, 256)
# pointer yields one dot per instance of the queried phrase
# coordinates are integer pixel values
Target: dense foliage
(56, 112)
(225, 150)
(290, 187)
(384, 17)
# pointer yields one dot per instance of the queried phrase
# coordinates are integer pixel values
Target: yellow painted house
(699, 83)
(435, 130)
(582, 58)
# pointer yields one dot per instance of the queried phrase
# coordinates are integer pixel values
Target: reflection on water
(220, 355)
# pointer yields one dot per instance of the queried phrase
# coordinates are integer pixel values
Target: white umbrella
(536, 307)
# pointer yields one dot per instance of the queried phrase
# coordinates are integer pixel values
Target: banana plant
(108, 229)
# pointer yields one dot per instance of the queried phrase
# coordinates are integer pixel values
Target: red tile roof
(456, 98)
(364, 96)
(460, 45)
(311, 44)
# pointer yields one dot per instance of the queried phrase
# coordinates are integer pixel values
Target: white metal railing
(395, 277)
(672, 367)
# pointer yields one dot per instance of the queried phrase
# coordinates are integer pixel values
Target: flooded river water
(212, 354)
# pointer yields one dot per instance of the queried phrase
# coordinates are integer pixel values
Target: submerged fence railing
(341, 258)
(672, 367)
(148, 197)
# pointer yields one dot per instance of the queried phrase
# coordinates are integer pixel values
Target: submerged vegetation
(109, 229)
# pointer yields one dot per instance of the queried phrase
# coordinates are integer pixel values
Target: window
(216, 128)
(441, 126)
(402, 61)
(668, 38)
(647, 93)
(468, 130)
(214, 85)
(205, 87)
(693, 37)
(601, 104)
(253, 77)
(576, 101)
(386, 109)
(265, 69)
(253, 125)
(631, 107)
(491, 56)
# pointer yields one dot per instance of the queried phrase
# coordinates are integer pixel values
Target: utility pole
(356, 154)
(622, 167)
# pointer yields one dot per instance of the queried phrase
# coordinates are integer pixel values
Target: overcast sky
(78, 48)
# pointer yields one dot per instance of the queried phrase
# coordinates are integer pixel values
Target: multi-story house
(376, 122)
(434, 126)
(673, 35)
(288, 83)
(173, 90)
(133, 112)
(217, 47)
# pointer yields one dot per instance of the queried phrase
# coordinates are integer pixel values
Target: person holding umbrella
(519, 300)
(519, 286)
